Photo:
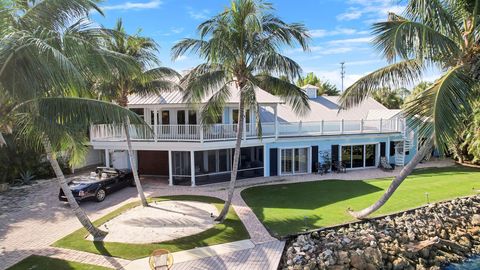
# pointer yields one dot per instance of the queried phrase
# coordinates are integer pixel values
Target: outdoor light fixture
(426, 195)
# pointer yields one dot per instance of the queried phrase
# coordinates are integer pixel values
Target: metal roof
(176, 97)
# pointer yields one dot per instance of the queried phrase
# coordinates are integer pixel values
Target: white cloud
(351, 14)
(134, 5)
(351, 40)
(370, 10)
(318, 33)
(198, 14)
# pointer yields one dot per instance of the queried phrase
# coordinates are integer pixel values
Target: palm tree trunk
(79, 213)
(236, 157)
(404, 173)
(133, 165)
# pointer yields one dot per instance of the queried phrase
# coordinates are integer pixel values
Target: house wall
(325, 145)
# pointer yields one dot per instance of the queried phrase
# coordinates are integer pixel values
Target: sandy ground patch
(161, 221)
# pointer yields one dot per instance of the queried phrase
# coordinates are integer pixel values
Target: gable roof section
(176, 97)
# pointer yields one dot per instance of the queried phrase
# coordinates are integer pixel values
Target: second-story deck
(227, 132)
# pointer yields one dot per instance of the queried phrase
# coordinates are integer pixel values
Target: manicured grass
(45, 263)
(231, 229)
(291, 208)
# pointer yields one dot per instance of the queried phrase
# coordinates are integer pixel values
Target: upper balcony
(227, 132)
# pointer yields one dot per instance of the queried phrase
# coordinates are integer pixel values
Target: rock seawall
(424, 238)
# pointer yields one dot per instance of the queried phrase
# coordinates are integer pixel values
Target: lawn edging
(232, 229)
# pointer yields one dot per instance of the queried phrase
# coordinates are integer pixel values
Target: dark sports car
(98, 184)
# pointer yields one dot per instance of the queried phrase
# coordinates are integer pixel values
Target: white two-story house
(183, 152)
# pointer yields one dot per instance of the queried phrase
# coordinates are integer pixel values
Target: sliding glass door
(294, 161)
(359, 156)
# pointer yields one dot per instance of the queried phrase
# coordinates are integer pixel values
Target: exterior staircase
(401, 148)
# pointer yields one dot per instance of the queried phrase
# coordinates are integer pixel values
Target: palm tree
(143, 81)
(443, 34)
(389, 98)
(240, 47)
(49, 51)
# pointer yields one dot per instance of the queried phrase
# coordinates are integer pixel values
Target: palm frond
(277, 64)
(441, 108)
(290, 93)
(409, 39)
(214, 107)
(393, 76)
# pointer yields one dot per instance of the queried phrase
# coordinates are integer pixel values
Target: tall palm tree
(49, 51)
(443, 34)
(240, 47)
(147, 79)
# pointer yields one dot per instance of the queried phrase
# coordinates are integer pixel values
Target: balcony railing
(228, 132)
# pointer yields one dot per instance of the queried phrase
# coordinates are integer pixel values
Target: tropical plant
(388, 98)
(49, 52)
(443, 34)
(240, 47)
(324, 87)
(141, 81)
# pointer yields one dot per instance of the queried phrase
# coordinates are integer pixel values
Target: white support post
(201, 132)
(192, 167)
(265, 171)
(322, 126)
(300, 127)
(381, 125)
(342, 126)
(155, 124)
(107, 158)
(275, 111)
(170, 168)
(244, 128)
(361, 127)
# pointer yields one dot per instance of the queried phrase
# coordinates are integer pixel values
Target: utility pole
(342, 72)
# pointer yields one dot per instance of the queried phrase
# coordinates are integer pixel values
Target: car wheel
(100, 195)
(132, 183)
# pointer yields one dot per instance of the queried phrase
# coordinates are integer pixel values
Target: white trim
(192, 167)
(170, 168)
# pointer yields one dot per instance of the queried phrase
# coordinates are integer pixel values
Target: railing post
(201, 133)
(322, 126)
(342, 126)
(381, 125)
(300, 127)
(276, 121)
(361, 126)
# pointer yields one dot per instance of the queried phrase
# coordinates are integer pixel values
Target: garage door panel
(153, 162)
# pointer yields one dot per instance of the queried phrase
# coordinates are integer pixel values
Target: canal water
(472, 264)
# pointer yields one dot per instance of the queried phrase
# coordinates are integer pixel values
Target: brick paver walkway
(37, 219)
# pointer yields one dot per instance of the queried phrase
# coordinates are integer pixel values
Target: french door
(359, 156)
(294, 160)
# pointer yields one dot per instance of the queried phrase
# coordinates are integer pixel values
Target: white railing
(227, 132)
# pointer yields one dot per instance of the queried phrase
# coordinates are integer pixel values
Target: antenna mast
(342, 72)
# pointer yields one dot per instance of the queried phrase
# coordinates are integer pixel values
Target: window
(235, 116)
(139, 111)
(370, 151)
(181, 117)
(192, 117)
(359, 156)
(347, 156)
(165, 117)
(294, 161)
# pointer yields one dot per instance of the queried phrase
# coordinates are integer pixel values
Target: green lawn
(291, 208)
(231, 229)
(44, 263)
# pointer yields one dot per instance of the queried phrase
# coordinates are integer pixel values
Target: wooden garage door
(153, 162)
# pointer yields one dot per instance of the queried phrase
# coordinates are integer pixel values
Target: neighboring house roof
(323, 108)
(382, 114)
(176, 97)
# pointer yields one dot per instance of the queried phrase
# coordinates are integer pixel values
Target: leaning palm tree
(49, 51)
(442, 34)
(241, 48)
(144, 80)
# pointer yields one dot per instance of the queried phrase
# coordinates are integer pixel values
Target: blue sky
(340, 29)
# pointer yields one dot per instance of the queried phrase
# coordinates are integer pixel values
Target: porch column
(387, 150)
(192, 167)
(275, 111)
(265, 167)
(155, 123)
(107, 158)
(170, 168)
